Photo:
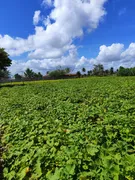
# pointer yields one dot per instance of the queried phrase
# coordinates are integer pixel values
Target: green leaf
(70, 168)
(38, 169)
(55, 176)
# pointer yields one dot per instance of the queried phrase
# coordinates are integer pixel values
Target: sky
(45, 34)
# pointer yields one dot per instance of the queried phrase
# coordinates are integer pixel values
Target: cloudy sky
(46, 34)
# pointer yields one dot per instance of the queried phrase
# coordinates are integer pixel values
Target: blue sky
(107, 36)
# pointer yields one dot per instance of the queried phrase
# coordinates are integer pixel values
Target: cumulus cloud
(52, 44)
(66, 21)
(116, 55)
(44, 65)
(108, 54)
(15, 46)
(36, 17)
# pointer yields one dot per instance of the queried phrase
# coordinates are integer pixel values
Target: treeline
(98, 70)
(63, 73)
(29, 74)
(126, 71)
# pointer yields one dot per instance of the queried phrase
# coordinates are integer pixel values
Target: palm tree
(78, 74)
(29, 73)
(111, 70)
(83, 70)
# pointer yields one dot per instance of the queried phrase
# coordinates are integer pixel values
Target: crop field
(80, 129)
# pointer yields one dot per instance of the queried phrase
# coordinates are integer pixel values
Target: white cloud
(65, 22)
(46, 64)
(47, 21)
(110, 56)
(110, 53)
(15, 46)
(115, 55)
(47, 47)
(36, 17)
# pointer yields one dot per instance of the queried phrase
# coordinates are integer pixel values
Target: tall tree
(111, 71)
(38, 75)
(67, 70)
(29, 73)
(5, 61)
(18, 77)
(78, 74)
(83, 70)
(4, 74)
(89, 73)
(98, 70)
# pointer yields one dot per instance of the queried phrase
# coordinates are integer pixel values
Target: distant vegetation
(59, 73)
(126, 71)
(29, 74)
(82, 129)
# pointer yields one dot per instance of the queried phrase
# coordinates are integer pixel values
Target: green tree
(29, 73)
(83, 70)
(106, 72)
(59, 73)
(78, 74)
(98, 70)
(111, 71)
(89, 73)
(126, 71)
(37, 75)
(18, 77)
(67, 70)
(5, 62)
(40, 75)
(4, 74)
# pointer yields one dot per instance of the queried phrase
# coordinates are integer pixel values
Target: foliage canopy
(69, 130)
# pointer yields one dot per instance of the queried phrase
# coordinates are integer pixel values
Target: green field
(81, 129)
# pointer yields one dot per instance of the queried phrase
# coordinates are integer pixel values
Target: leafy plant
(69, 129)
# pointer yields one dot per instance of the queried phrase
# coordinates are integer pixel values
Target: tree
(40, 76)
(89, 73)
(106, 72)
(111, 71)
(126, 71)
(29, 73)
(67, 70)
(78, 74)
(98, 70)
(18, 77)
(59, 73)
(37, 75)
(83, 70)
(4, 74)
(5, 62)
